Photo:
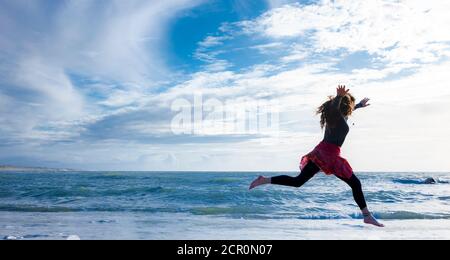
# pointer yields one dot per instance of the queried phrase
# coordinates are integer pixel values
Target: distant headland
(10, 168)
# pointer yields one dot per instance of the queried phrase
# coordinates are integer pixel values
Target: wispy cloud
(212, 41)
(45, 43)
(401, 31)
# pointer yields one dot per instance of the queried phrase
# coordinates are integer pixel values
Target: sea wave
(419, 181)
(225, 180)
(260, 214)
(52, 192)
(409, 215)
(235, 210)
(36, 209)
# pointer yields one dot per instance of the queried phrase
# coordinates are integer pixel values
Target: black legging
(309, 171)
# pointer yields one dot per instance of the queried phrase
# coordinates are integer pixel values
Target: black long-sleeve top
(337, 133)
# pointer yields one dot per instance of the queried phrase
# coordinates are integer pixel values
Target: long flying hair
(329, 116)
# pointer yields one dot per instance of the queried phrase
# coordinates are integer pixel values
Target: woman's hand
(364, 102)
(341, 91)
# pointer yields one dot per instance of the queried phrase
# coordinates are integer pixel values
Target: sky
(101, 85)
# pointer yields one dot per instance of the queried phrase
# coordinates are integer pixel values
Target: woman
(326, 156)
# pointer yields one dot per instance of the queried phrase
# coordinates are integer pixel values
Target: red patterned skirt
(328, 158)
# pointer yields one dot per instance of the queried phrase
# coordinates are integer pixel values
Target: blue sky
(91, 84)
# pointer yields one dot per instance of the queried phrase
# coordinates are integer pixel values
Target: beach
(181, 227)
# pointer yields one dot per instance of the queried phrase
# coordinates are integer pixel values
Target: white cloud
(399, 31)
(120, 98)
(53, 84)
(297, 53)
(123, 44)
(218, 65)
(265, 48)
(212, 41)
(45, 43)
(209, 56)
(278, 3)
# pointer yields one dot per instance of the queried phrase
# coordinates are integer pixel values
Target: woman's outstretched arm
(363, 103)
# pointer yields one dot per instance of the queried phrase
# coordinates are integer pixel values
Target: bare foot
(372, 221)
(258, 182)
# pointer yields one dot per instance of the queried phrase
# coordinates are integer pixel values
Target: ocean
(216, 205)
